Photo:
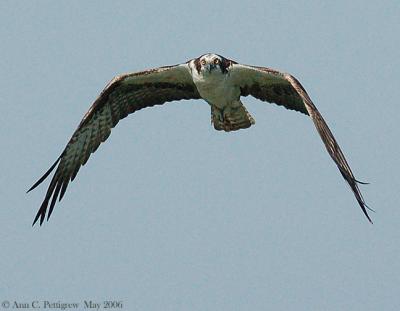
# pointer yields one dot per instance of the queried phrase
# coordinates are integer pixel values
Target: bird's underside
(219, 81)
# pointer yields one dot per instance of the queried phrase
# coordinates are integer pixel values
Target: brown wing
(125, 94)
(283, 89)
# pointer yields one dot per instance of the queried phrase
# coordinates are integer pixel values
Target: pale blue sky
(170, 214)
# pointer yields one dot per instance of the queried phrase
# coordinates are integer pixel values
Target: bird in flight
(219, 81)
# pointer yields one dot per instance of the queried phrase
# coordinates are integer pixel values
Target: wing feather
(268, 85)
(122, 96)
(283, 89)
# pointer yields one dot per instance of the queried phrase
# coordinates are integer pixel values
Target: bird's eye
(203, 62)
(216, 61)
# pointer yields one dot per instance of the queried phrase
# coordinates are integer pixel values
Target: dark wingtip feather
(353, 184)
(63, 189)
(352, 181)
(41, 213)
(41, 179)
(370, 209)
(365, 212)
(54, 199)
(331, 144)
(36, 219)
(364, 208)
(361, 182)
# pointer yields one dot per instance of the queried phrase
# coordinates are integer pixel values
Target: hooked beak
(210, 67)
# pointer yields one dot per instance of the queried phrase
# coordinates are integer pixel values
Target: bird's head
(211, 63)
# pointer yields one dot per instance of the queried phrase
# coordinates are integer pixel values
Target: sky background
(170, 214)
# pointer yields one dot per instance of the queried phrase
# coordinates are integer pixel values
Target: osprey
(221, 82)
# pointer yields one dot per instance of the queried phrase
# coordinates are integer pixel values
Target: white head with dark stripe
(211, 63)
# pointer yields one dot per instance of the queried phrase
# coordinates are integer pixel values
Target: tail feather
(231, 118)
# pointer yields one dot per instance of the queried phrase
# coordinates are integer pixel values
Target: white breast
(216, 88)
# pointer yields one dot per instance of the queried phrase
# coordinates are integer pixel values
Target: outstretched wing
(283, 89)
(125, 94)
